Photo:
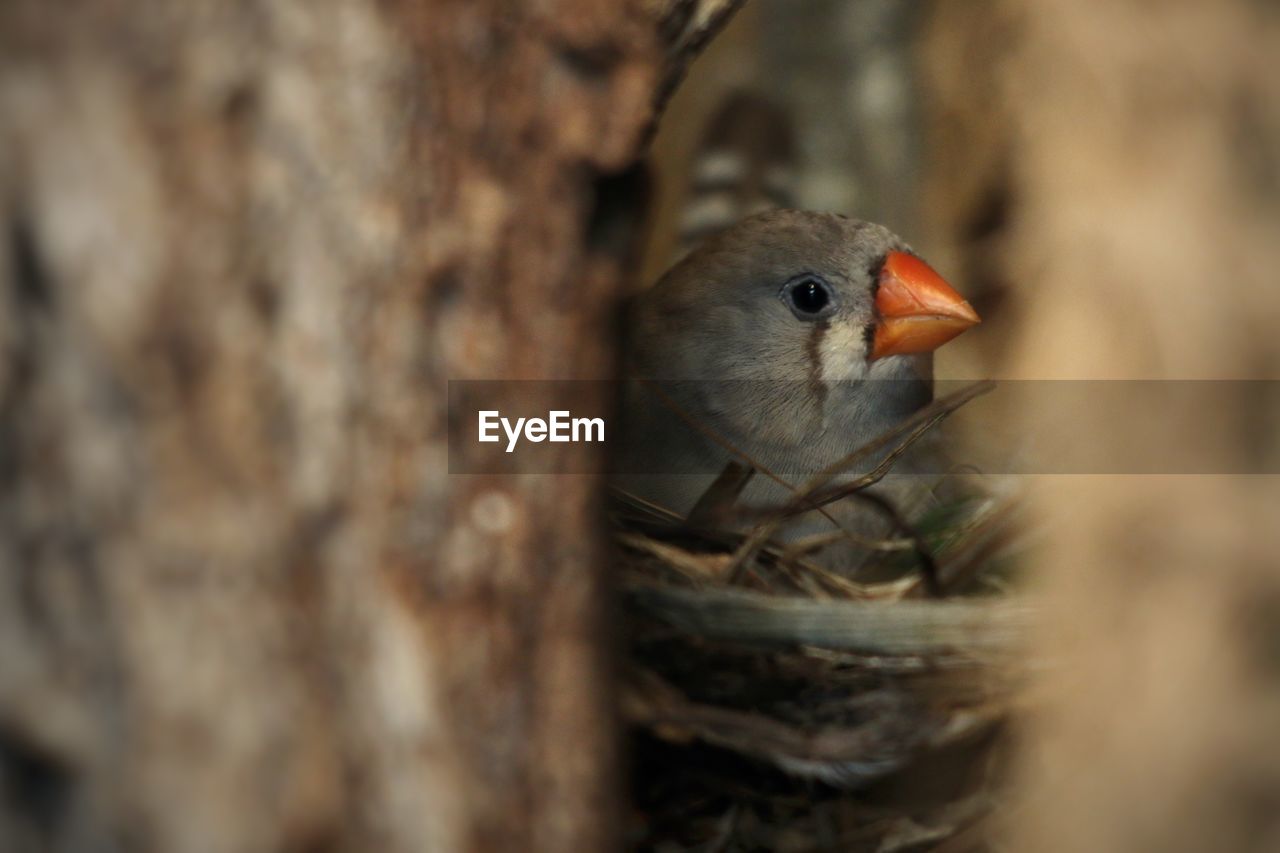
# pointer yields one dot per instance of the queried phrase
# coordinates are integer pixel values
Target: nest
(777, 705)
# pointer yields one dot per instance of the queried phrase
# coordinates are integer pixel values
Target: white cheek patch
(843, 353)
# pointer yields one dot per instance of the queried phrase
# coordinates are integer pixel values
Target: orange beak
(918, 311)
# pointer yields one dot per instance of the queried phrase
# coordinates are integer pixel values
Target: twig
(912, 428)
(720, 496)
(689, 420)
(929, 576)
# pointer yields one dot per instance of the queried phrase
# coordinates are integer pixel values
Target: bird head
(803, 296)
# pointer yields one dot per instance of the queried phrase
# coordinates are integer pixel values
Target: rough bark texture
(243, 606)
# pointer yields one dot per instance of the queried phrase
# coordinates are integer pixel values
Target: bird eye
(808, 296)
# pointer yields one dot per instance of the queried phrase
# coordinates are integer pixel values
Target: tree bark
(243, 605)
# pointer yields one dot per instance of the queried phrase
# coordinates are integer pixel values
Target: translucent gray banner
(797, 429)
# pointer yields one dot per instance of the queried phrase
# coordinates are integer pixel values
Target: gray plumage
(793, 393)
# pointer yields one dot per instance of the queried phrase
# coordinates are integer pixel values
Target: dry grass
(778, 705)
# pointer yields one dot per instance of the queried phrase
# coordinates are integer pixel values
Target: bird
(789, 339)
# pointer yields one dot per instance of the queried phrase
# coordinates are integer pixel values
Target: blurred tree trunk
(243, 606)
(1112, 171)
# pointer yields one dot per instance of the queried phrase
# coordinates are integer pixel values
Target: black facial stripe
(813, 349)
(876, 268)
